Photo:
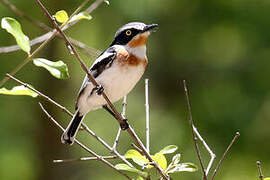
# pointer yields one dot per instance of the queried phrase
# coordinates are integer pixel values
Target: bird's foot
(99, 89)
(124, 125)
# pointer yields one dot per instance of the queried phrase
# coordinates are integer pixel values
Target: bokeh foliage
(220, 47)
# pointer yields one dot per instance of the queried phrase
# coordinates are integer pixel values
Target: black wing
(103, 62)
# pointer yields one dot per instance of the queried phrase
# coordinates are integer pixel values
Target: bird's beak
(149, 27)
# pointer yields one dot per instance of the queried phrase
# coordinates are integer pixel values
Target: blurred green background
(222, 49)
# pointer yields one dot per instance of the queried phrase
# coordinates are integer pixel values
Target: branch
(193, 132)
(49, 37)
(147, 117)
(91, 52)
(261, 177)
(71, 115)
(124, 108)
(82, 159)
(100, 158)
(212, 155)
(237, 134)
(119, 118)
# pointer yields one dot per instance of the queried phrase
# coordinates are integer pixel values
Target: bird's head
(133, 35)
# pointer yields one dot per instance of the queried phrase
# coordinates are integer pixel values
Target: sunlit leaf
(176, 159)
(136, 157)
(125, 167)
(160, 160)
(57, 69)
(18, 90)
(139, 178)
(13, 27)
(61, 16)
(183, 167)
(168, 149)
(268, 178)
(81, 15)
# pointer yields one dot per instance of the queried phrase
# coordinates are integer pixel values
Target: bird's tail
(68, 136)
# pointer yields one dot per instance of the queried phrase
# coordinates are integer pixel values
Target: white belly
(117, 82)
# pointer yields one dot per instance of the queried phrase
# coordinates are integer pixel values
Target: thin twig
(49, 37)
(261, 177)
(89, 51)
(82, 159)
(212, 155)
(85, 127)
(124, 108)
(137, 148)
(237, 134)
(192, 129)
(147, 117)
(119, 118)
(100, 158)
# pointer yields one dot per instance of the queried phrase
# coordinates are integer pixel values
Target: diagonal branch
(71, 115)
(193, 132)
(237, 134)
(49, 37)
(82, 159)
(89, 51)
(212, 155)
(119, 118)
(100, 158)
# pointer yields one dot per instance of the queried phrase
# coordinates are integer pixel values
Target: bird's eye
(128, 32)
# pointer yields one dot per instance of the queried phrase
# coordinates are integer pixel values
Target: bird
(117, 70)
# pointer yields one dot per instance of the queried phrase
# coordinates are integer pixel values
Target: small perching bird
(117, 70)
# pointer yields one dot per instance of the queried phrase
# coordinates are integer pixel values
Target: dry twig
(100, 158)
(147, 118)
(261, 177)
(47, 38)
(237, 134)
(193, 132)
(82, 159)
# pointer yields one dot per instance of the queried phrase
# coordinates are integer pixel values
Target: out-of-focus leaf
(13, 27)
(139, 178)
(136, 157)
(168, 149)
(61, 16)
(107, 2)
(81, 15)
(268, 178)
(18, 90)
(160, 160)
(57, 69)
(187, 167)
(125, 167)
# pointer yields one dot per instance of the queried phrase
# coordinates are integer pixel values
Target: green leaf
(61, 16)
(176, 159)
(136, 157)
(139, 178)
(160, 160)
(125, 167)
(13, 27)
(18, 90)
(57, 69)
(81, 15)
(168, 149)
(186, 167)
(268, 178)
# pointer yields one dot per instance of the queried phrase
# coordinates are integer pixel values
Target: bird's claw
(99, 89)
